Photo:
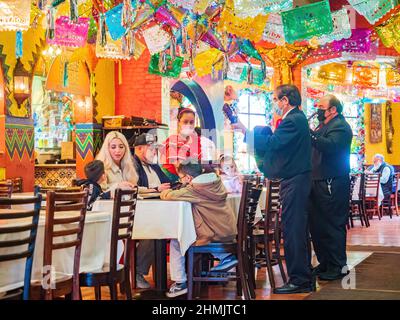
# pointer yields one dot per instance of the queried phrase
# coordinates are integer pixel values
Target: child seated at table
(214, 219)
(230, 174)
(95, 176)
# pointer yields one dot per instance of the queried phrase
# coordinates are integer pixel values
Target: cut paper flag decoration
(389, 33)
(114, 21)
(70, 34)
(303, 23)
(370, 55)
(156, 39)
(373, 10)
(358, 42)
(208, 61)
(113, 49)
(247, 28)
(341, 28)
(15, 15)
(187, 4)
(333, 72)
(235, 71)
(365, 76)
(274, 30)
(252, 8)
(392, 78)
(172, 67)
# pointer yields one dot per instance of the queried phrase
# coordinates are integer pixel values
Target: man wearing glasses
(286, 155)
(330, 189)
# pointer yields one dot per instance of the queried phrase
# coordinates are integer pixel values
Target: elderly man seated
(151, 179)
(387, 174)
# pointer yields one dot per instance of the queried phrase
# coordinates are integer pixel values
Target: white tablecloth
(369, 192)
(161, 219)
(95, 251)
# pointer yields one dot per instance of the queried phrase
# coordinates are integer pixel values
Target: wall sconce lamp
(22, 88)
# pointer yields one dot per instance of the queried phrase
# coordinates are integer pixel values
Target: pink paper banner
(70, 34)
(358, 42)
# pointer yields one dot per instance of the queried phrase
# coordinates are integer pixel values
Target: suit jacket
(286, 152)
(331, 149)
(143, 180)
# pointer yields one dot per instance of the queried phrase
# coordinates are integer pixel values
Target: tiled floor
(381, 233)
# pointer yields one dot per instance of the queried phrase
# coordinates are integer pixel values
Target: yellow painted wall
(104, 78)
(373, 148)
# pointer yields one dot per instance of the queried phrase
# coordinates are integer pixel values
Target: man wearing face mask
(330, 189)
(286, 155)
(151, 179)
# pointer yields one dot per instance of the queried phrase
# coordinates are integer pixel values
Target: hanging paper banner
(373, 10)
(365, 76)
(312, 20)
(315, 93)
(165, 16)
(371, 55)
(15, 15)
(201, 6)
(172, 67)
(274, 29)
(235, 71)
(257, 75)
(392, 78)
(358, 42)
(70, 34)
(252, 8)
(18, 44)
(112, 50)
(208, 61)
(248, 28)
(187, 4)
(389, 33)
(333, 72)
(341, 28)
(156, 38)
(114, 21)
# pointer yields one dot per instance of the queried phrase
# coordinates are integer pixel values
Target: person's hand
(126, 185)
(164, 186)
(239, 126)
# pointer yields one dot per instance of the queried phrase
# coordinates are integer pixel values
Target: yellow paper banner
(333, 72)
(392, 78)
(205, 61)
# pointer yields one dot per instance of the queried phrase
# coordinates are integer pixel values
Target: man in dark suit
(286, 155)
(330, 191)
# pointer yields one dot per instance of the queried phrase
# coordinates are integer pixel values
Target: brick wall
(139, 94)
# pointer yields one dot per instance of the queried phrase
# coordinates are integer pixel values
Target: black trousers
(329, 212)
(294, 195)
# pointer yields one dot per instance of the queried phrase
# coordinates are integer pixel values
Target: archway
(193, 91)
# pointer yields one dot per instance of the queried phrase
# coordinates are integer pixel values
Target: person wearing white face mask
(184, 145)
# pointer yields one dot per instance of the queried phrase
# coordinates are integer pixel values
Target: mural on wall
(19, 140)
(375, 133)
(389, 127)
(88, 138)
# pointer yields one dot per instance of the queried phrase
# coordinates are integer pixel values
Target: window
(253, 109)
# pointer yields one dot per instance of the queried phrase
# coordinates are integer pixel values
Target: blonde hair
(127, 167)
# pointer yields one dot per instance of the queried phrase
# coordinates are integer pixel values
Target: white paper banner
(15, 15)
(187, 4)
(156, 38)
(235, 71)
(252, 8)
(341, 27)
(274, 29)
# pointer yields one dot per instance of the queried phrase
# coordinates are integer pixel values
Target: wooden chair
(357, 206)
(391, 204)
(241, 248)
(23, 239)
(268, 235)
(114, 273)
(17, 185)
(372, 183)
(6, 189)
(72, 225)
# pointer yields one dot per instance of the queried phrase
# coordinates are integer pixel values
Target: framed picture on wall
(375, 132)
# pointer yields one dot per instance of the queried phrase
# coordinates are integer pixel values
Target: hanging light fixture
(22, 86)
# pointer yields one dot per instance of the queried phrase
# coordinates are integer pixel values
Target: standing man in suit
(330, 190)
(286, 155)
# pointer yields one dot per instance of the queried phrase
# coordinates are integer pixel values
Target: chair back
(19, 232)
(122, 225)
(17, 184)
(272, 206)
(372, 181)
(6, 189)
(396, 179)
(73, 205)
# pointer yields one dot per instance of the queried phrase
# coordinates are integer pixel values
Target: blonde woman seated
(118, 162)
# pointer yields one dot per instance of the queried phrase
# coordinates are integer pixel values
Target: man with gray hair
(387, 173)
(330, 189)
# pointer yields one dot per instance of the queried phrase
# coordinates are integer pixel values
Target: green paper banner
(258, 77)
(173, 67)
(373, 10)
(308, 21)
